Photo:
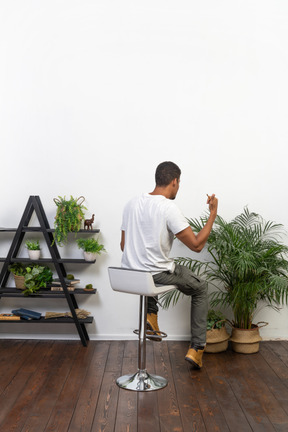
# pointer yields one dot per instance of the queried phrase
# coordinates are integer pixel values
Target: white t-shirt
(150, 223)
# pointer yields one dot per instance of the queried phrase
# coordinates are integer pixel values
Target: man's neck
(160, 191)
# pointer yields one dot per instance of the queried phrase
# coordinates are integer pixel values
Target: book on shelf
(26, 314)
(9, 317)
(59, 288)
(68, 282)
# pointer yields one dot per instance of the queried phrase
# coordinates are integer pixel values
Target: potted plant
(68, 217)
(33, 249)
(248, 267)
(34, 276)
(91, 247)
(19, 271)
(37, 277)
(216, 335)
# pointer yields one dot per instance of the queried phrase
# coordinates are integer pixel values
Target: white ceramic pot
(34, 254)
(89, 256)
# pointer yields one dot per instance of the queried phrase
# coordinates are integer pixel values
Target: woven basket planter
(246, 341)
(19, 282)
(216, 340)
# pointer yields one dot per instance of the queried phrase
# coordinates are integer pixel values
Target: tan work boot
(194, 356)
(152, 327)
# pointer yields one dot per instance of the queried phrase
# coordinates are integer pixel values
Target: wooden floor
(62, 386)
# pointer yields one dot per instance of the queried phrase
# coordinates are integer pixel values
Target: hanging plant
(68, 217)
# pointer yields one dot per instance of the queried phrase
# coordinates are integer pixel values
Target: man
(149, 225)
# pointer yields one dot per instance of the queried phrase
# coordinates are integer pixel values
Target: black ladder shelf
(34, 204)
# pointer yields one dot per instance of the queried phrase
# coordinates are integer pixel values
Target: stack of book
(26, 314)
(57, 286)
(21, 313)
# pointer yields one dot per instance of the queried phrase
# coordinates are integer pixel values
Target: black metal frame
(34, 204)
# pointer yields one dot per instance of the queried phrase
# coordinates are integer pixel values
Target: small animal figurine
(88, 223)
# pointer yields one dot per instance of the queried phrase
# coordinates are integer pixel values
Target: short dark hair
(166, 172)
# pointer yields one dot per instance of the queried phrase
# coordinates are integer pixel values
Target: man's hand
(198, 241)
(212, 201)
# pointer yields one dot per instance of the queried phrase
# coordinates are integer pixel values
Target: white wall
(94, 94)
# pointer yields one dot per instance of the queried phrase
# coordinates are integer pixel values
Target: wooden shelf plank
(50, 260)
(42, 320)
(51, 230)
(14, 292)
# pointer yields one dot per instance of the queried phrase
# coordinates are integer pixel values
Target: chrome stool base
(141, 283)
(153, 334)
(142, 381)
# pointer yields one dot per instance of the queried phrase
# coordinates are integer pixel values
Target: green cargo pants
(189, 284)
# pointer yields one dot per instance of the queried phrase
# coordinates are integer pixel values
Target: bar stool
(141, 283)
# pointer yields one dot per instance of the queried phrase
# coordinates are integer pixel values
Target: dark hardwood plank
(268, 374)
(36, 368)
(12, 360)
(65, 404)
(276, 356)
(169, 413)
(269, 403)
(47, 398)
(89, 393)
(211, 410)
(233, 414)
(190, 411)
(115, 357)
(18, 379)
(104, 419)
(126, 417)
(148, 414)
(235, 365)
(61, 386)
(8, 348)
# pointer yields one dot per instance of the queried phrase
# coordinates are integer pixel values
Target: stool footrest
(153, 334)
(142, 381)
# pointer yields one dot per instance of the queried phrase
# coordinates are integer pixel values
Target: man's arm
(122, 242)
(196, 242)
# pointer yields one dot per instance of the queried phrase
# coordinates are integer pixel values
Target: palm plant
(247, 264)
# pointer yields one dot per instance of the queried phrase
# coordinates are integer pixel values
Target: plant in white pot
(33, 249)
(91, 248)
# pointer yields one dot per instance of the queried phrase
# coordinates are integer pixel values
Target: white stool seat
(141, 283)
(136, 282)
